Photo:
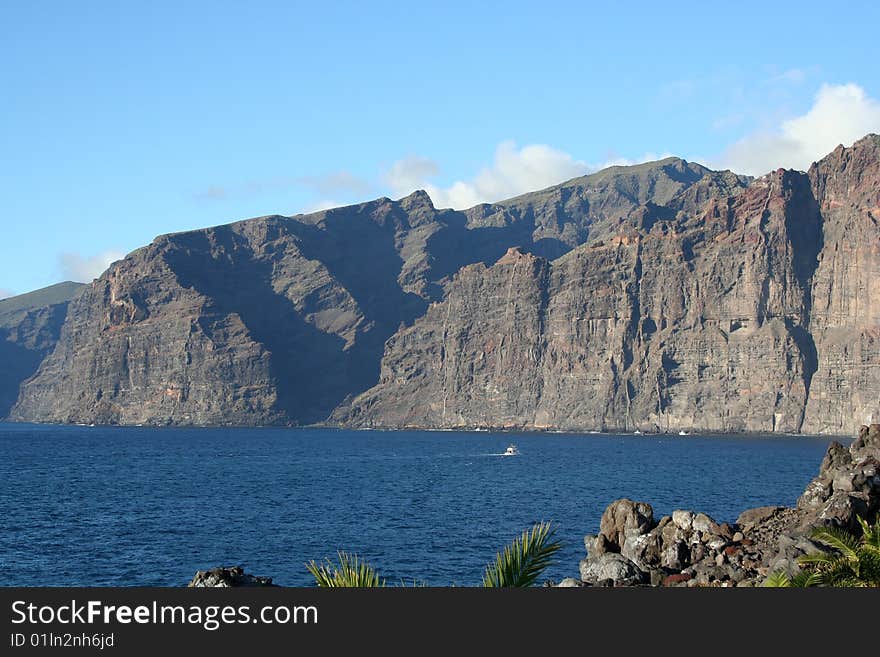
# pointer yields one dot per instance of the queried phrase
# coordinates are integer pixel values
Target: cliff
(753, 311)
(29, 328)
(663, 296)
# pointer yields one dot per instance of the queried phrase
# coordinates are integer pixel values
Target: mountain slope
(29, 328)
(660, 296)
(757, 312)
(282, 319)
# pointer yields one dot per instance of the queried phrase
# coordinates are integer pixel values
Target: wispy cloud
(791, 76)
(212, 193)
(323, 204)
(513, 171)
(4, 293)
(619, 161)
(84, 269)
(840, 114)
(334, 183)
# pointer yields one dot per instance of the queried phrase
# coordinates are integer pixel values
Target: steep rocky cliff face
(754, 311)
(660, 297)
(846, 289)
(29, 328)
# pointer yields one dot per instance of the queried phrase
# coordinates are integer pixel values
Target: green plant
(351, 572)
(851, 561)
(518, 564)
(803, 579)
(522, 562)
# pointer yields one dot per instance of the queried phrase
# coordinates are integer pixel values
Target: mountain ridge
(299, 320)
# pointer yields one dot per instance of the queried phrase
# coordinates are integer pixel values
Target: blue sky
(121, 121)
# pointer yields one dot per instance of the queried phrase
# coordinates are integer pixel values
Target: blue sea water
(143, 506)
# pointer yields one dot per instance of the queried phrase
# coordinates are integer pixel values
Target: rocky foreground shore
(691, 549)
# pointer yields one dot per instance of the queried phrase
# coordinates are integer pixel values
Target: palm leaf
(805, 579)
(351, 572)
(853, 561)
(802, 579)
(522, 562)
(871, 535)
(838, 539)
(777, 580)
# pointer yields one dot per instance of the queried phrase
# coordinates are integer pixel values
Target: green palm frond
(777, 580)
(828, 560)
(805, 579)
(351, 572)
(841, 540)
(853, 560)
(802, 579)
(522, 562)
(871, 535)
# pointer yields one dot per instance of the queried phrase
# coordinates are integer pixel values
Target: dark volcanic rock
(700, 314)
(658, 297)
(692, 549)
(226, 577)
(29, 328)
(281, 320)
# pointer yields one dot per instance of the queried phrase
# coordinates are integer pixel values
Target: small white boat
(511, 451)
(683, 433)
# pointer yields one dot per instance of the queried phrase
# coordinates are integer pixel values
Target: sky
(121, 121)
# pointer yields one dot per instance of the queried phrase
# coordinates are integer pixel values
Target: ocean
(114, 506)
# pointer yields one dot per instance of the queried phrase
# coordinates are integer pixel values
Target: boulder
(869, 438)
(644, 550)
(675, 556)
(569, 583)
(704, 524)
(631, 548)
(677, 579)
(756, 516)
(598, 545)
(227, 577)
(611, 566)
(624, 516)
(684, 520)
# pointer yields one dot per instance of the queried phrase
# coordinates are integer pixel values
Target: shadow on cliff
(313, 371)
(39, 330)
(455, 246)
(805, 230)
(308, 366)
(19, 363)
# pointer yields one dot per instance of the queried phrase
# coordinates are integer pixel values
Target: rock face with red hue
(660, 297)
(748, 311)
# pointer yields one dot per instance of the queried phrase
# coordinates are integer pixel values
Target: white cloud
(317, 206)
(410, 173)
(82, 269)
(514, 171)
(4, 293)
(617, 161)
(841, 114)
